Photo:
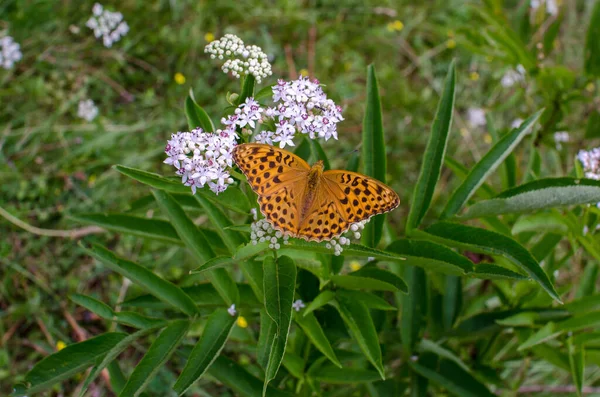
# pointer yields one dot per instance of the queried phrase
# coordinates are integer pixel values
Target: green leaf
(350, 250)
(551, 222)
(279, 285)
(196, 115)
(373, 152)
(70, 360)
(430, 346)
(158, 353)
(128, 318)
(414, 308)
(488, 164)
(488, 242)
(343, 376)
(196, 242)
(239, 380)
(489, 271)
(544, 334)
(321, 300)
(162, 289)
(247, 89)
(242, 253)
(538, 195)
(451, 376)
(112, 354)
(434, 154)
(370, 300)
(265, 92)
(358, 319)
(431, 256)
(155, 229)
(268, 331)
(319, 153)
(312, 329)
(592, 45)
(215, 334)
(592, 129)
(221, 222)
(371, 278)
(577, 364)
(232, 198)
(461, 172)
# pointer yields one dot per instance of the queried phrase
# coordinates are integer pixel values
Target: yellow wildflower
(354, 266)
(179, 78)
(208, 37)
(242, 322)
(303, 72)
(474, 76)
(451, 43)
(395, 26)
(92, 180)
(487, 138)
(60, 345)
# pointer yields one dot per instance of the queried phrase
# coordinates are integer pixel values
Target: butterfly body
(308, 202)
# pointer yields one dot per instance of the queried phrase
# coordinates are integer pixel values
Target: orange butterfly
(307, 202)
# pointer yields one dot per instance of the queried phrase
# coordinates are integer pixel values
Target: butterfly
(308, 202)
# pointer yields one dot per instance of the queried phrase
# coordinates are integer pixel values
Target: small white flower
(550, 5)
(242, 60)
(107, 25)
(590, 160)
(298, 305)
(476, 117)
(232, 312)
(559, 138)
(516, 123)
(87, 110)
(10, 52)
(513, 77)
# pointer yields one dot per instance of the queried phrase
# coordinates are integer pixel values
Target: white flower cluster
(476, 117)
(202, 158)
(87, 110)
(560, 137)
(590, 159)
(300, 106)
(246, 115)
(513, 77)
(241, 59)
(107, 24)
(551, 6)
(263, 231)
(10, 52)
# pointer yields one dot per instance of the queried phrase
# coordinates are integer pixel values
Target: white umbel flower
(10, 52)
(590, 160)
(107, 25)
(202, 158)
(241, 59)
(87, 110)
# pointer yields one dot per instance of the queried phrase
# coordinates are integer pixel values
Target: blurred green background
(54, 164)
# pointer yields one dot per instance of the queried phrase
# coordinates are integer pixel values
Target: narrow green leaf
(361, 326)
(434, 154)
(344, 376)
(197, 116)
(112, 354)
(268, 332)
(371, 278)
(430, 346)
(232, 198)
(312, 329)
(321, 300)
(239, 380)
(196, 242)
(70, 360)
(552, 222)
(544, 334)
(587, 285)
(155, 229)
(247, 89)
(128, 318)
(265, 92)
(451, 376)
(243, 252)
(577, 364)
(215, 334)
(431, 256)
(221, 222)
(485, 241)
(162, 289)
(488, 164)
(158, 353)
(461, 172)
(489, 271)
(319, 153)
(372, 301)
(279, 286)
(373, 152)
(592, 45)
(414, 308)
(538, 195)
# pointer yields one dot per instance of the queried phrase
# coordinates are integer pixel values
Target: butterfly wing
(324, 221)
(358, 196)
(279, 178)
